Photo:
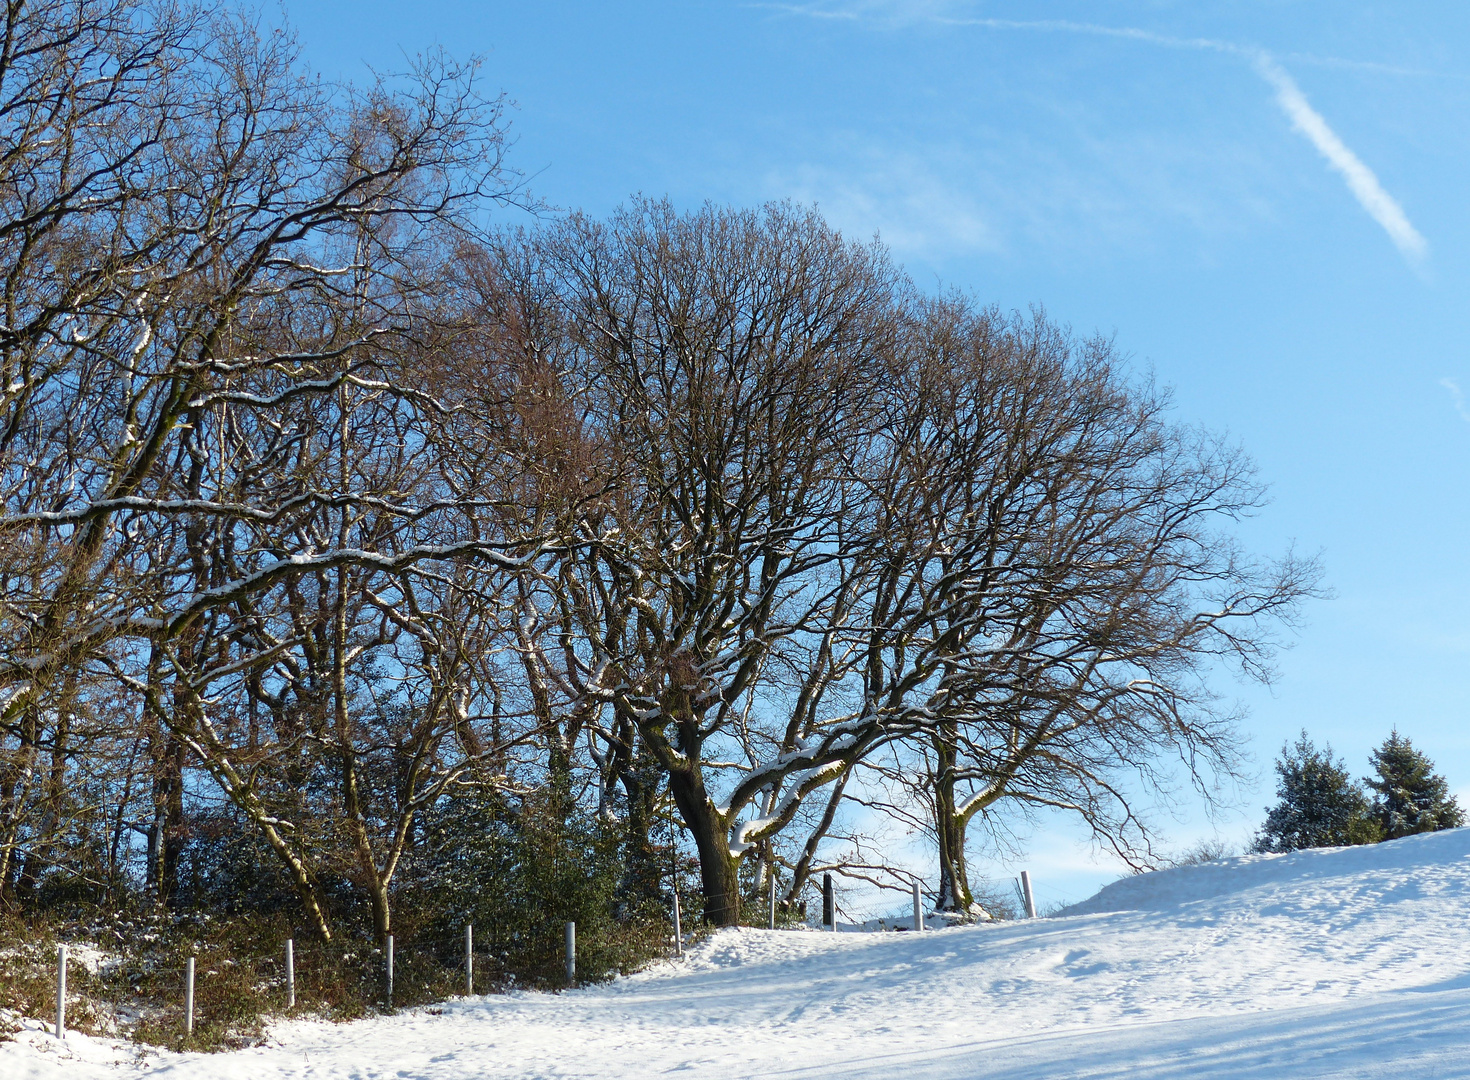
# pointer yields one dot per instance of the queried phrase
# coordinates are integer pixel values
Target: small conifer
(1409, 796)
(1319, 804)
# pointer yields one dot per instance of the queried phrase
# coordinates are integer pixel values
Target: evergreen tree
(1410, 797)
(1319, 804)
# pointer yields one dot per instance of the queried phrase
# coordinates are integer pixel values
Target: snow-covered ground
(1337, 963)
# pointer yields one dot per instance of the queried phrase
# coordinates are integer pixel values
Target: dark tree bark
(949, 826)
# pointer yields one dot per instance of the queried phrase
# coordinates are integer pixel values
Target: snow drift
(1337, 962)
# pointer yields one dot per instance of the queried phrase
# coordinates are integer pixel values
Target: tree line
(343, 525)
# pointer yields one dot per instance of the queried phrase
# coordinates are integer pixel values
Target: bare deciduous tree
(1057, 585)
(220, 294)
(726, 361)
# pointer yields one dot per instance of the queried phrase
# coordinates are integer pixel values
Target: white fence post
(390, 971)
(571, 954)
(918, 908)
(678, 929)
(290, 973)
(469, 959)
(61, 991)
(1026, 895)
(773, 898)
(189, 996)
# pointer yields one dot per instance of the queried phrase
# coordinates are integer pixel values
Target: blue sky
(1266, 202)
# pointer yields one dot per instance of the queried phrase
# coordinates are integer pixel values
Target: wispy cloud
(1458, 397)
(1361, 181)
(900, 196)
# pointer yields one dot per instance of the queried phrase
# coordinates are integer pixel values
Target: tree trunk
(53, 819)
(168, 816)
(719, 869)
(15, 791)
(954, 881)
(644, 873)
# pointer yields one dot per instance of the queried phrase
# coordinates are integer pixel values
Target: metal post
(571, 954)
(773, 898)
(61, 991)
(469, 959)
(829, 904)
(678, 929)
(1026, 895)
(290, 973)
(189, 996)
(918, 909)
(390, 971)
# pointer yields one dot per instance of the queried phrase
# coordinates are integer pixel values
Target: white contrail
(1361, 181)
(1381, 206)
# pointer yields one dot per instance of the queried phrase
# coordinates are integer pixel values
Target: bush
(126, 975)
(1205, 851)
(519, 870)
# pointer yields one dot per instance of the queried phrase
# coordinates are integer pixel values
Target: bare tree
(1058, 584)
(723, 358)
(217, 353)
(844, 518)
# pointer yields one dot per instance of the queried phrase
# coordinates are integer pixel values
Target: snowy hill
(1351, 962)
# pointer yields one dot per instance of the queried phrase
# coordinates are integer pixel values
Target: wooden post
(678, 929)
(189, 996)
(773, 898)
(1026, 895)
(918, 909)
(290, 973)
(61, 991)
(829, 903)
(571, 954)
(469, 959)
(390, 971)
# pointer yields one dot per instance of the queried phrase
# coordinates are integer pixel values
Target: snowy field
(1347, 962)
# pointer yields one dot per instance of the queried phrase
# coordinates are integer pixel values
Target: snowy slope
(1337, 963)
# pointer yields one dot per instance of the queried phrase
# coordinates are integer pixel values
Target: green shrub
(519, 870)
